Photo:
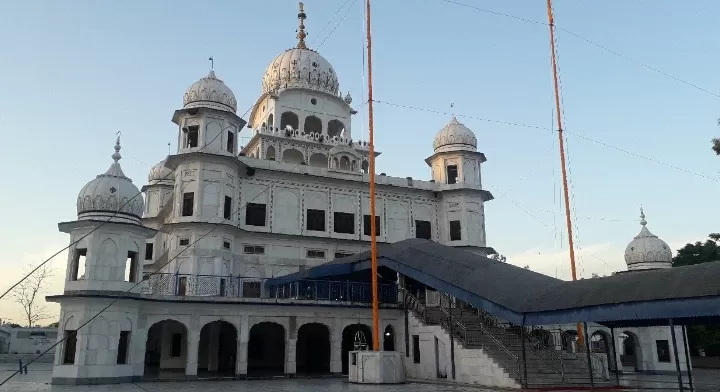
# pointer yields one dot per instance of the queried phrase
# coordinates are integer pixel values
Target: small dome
(300, 68)
(210, 92)
(159, 174)
(455, 136)
(647, 251)
(111, 196)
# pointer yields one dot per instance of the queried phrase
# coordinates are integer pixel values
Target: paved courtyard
(38, 380)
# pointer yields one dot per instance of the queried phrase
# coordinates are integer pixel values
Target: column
(191, 363)
(290, 364)
(241, 364)
(336, 356)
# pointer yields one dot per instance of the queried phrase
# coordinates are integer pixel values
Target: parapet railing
(249, 287)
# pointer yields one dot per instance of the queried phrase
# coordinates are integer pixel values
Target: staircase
(544, 366)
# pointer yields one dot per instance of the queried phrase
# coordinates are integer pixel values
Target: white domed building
(646, 251)
(193, 267)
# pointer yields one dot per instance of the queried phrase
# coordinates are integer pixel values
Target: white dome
(300, 68)
(111, 193)
(159, 174)
(455, 136)
(647, 251)
(210, 92)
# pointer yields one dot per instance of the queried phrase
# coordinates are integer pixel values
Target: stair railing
(597, 362)
(484, 333)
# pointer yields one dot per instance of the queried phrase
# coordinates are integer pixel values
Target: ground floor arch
(312, 355)
(217, 350)
(389, 339)
(631, 356)
(601, 343)
(266, 350)
(166, 349)
(349, 335)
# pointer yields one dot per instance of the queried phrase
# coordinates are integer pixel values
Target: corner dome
(210, 92)
(111, 196)
(647, 251)
(159, 174)
(453, 137)
(300, 68)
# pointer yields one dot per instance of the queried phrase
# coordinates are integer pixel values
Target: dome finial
(212, 63)
(301, 32)
(116, 156)
(642, 217)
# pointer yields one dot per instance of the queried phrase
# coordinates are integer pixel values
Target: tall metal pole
(687, 358)
(677, 358)
(589, 358)
(373, 229)
(558, 115)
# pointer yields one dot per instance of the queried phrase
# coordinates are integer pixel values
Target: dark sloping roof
(519, 295)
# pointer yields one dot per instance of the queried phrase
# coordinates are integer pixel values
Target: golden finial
(301, 33)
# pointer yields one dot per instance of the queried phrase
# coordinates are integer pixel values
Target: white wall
(30, 340)
(472, 366)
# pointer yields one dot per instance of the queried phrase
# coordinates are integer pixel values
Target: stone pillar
(191, 358)
(241, 362)
(290, 364)
(336, 356)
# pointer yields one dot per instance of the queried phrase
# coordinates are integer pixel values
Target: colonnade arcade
(255, 346)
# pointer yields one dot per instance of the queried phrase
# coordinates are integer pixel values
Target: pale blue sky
(76, 72)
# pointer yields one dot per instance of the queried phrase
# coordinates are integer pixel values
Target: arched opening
(217, 350)
(318, 160)
(365, 167)
(312, 125)
(348, 341)
(335, 163)
(544, 337)
(270, 154)
(266, 350)
(289, 119)
(292, 156)
(335, 128)
(344, 163)
(600, 343)
(631, 356)
(389, 339)
(570, 341)
(353, 166)
(313, 349)
(166, 350)
(271, 121)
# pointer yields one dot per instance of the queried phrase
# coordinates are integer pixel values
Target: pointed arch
(270, 153)
(289, 119)
(313, 124)
(335, 128)
(318, 160)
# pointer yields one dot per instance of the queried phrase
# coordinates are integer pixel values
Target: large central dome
(300, 68)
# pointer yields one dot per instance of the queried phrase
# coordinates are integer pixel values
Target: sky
(76, 73)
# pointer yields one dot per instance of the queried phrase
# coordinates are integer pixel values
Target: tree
(699, 252)
(29, 293)
(705, 337)
(716, 144)
(498, 257)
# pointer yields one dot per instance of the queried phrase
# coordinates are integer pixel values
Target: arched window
(271, 121)
(365, 167)
(270, 154)
(335, 163)
(318, 160)
(353, 166)
(344, 163)
(312, 125)
(289, 119)
(292, 156)
(335, 127)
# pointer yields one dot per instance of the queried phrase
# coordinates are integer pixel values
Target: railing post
(177, 282)
(677, 359)
(524, 357)
(614, 354)
(687, 358)
(452, 339)
(589, 359)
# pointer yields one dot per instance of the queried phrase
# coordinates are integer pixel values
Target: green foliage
(699, 252)
(706, 337)
(716, 144)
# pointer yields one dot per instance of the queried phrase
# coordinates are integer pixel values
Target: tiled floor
(38, 380)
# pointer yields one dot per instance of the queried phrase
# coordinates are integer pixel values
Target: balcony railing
(242, 287)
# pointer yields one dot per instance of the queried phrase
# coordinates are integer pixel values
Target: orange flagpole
(568, 220)
(373, 229)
